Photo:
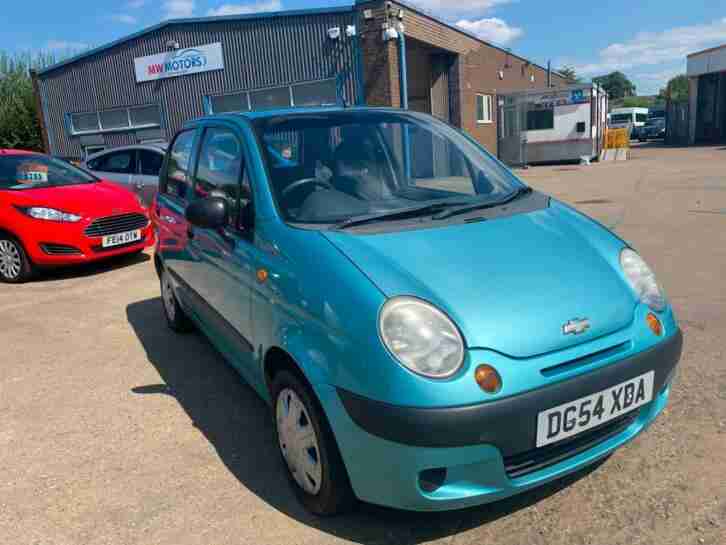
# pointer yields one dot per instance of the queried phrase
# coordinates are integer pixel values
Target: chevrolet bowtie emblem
(576, 326)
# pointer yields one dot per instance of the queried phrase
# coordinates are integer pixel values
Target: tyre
(308, 448)
(15, 267)
(175, 315)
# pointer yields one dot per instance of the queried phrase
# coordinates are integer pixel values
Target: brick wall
(475, 68)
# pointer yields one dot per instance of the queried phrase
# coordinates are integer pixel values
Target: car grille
(521, 464)
(112, 225)
(59, 249)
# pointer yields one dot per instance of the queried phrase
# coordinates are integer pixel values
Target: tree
(19, 119)
(616, 84)
(568, 72)
(676, 89)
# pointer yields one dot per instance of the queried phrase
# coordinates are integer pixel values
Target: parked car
(653, 129)
(52, 213)
(429, 332)
(137, 167)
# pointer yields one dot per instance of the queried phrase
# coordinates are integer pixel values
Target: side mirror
(209, 213)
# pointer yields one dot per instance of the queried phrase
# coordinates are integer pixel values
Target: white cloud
(63, 45)
(460, 7)
(652, 48)
(136, 4)
(124, 18)
(178, 8)
(241, 9)
(492, 29)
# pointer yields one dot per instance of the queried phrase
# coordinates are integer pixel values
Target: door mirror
(209, 213)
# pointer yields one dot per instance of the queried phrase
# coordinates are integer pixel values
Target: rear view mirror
(209, 213)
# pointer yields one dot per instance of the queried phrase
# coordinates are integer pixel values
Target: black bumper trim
(509, 424)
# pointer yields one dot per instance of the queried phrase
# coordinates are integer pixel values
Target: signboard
(182, 62)
(561, 98)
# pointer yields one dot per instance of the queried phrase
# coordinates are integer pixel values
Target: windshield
(34, 171)
(621, 118)
(335, 167)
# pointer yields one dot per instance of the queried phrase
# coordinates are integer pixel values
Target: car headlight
(421, 337)
(50, 214)
(642, 280)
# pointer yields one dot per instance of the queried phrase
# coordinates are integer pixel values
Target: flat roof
(709, 50)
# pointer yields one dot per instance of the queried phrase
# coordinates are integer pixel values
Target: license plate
(588, 412)
(121, 238)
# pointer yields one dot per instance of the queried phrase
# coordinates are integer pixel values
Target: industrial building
(143, 87)
(707, 96)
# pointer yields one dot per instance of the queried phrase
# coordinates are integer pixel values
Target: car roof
(8, 151)
(277, 112)
(156, 146)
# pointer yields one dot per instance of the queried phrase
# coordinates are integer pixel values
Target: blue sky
(646, 39)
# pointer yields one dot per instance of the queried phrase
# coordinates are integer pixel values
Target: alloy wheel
(11, 262)
(298, 441)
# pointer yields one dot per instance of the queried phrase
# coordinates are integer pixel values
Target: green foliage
(676, 89)
(637, 102)
(19, 121)
(616, 84)
(568, 72)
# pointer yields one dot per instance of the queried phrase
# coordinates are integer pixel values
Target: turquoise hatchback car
(429, 332)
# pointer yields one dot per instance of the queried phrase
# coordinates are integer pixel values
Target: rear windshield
(35, 171)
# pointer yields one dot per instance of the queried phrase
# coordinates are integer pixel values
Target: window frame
(552, 110)
(164, 174)
(487, 108)
(100, 130)
(243, 174)
(209, 99)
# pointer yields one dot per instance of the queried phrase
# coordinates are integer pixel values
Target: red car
(52, 213)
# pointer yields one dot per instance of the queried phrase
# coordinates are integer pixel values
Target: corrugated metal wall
(258, 53)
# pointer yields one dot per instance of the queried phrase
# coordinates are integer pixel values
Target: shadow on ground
(90, 269)
(237, 423)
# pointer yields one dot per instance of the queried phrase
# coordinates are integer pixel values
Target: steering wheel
(304, 181)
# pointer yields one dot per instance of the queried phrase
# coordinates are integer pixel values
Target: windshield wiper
(396, 214)
(490, 204)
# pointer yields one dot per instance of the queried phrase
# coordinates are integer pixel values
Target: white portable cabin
(555, 124)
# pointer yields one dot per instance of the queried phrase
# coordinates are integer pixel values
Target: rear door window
(150, 162)
(120, 162)
(178, 178)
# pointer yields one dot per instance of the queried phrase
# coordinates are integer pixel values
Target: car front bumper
(386, 447)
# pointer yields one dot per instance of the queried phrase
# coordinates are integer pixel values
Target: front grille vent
(521, 464)
(59, 249)
(113, 225)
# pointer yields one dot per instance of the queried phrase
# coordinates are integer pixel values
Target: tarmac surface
(114, 430)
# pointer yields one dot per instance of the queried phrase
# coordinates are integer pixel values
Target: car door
(118, 166)
(224, 270)
(175, 193)
(146, 179)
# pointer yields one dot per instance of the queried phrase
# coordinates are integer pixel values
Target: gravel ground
(114, 430)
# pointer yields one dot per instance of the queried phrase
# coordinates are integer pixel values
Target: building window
(309, 93)
(235, 102)
(538, 120)
(316, 93)
(483, 108)
(120, 119)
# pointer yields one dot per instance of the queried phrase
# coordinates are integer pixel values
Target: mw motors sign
(182, 62)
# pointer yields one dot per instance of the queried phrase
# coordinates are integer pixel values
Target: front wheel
(308, 448)
(15, 267)
(175, 315)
